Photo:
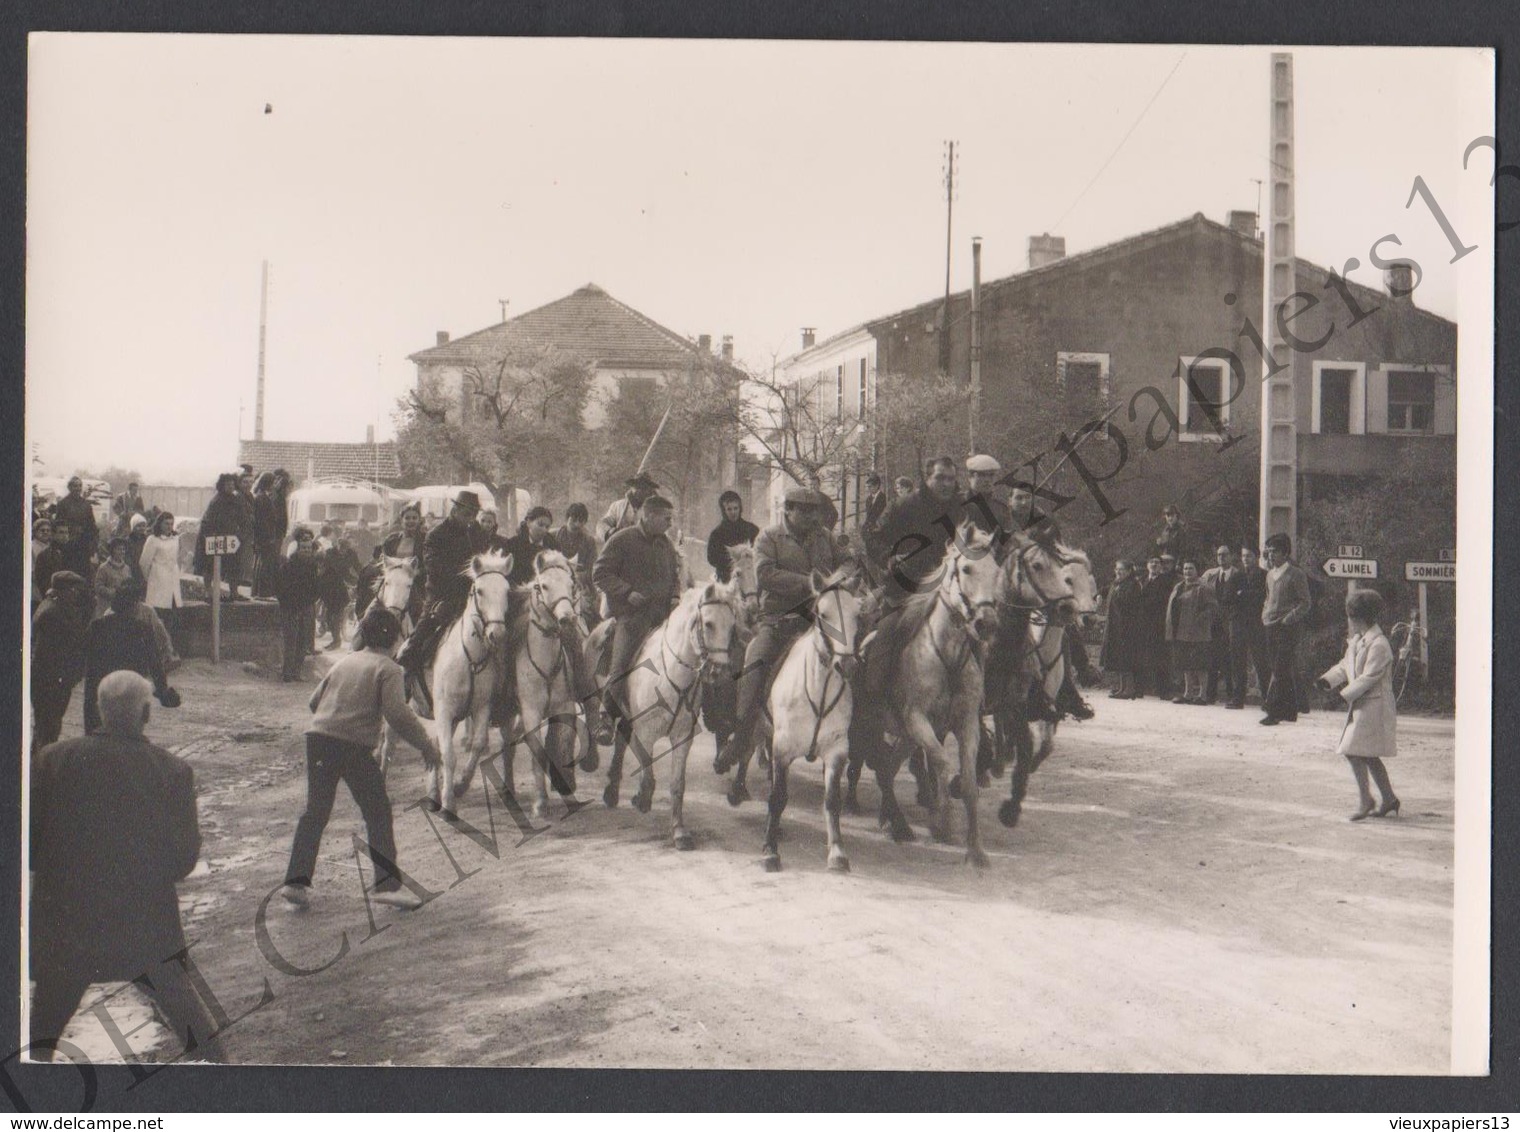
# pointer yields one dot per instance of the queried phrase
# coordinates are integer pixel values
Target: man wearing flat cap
(786, 554)
(982, 508)
(624, 513)
(446, 552)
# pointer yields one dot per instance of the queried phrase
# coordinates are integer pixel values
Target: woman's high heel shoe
(1388, 809)
(1364, 814)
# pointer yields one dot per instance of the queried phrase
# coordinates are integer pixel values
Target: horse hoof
(977, 858)
(1008, 813)
(685, 842)
(431, 804)
(900, 832)
(941, 836)
(643, 800)
(955, 788)
(772, 864)
(449, 816)
(590, 760)
(738, 795)
(839, 864)
(610, 798)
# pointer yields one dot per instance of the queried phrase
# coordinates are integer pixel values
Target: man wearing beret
(446, 552)
(624, 512)
(984, 510)
(786, 554)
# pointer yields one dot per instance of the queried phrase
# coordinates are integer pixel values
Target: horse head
(396, 585)
(1052, 578)
(970, 581)
(554, 585)
(744, 576)
(490, 595)
(712, 629)
(836, 615)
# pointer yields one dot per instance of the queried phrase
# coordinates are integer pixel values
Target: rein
(829, 660)
(478, 616)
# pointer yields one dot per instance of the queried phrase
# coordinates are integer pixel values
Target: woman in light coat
(1190, 615)
(1364, 678)
(160, 567)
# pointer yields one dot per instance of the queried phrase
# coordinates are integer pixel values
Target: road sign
(1349, 550)
(222, 544)
(1447, 555)
(1358, 568)
(1430, 571)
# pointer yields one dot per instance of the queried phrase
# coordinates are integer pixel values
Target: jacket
(619, 517)
(523, 551)
(1124, 628)
(159, 562)
(296, 585)
(723, 536)
(114, 642)
(1288, 601)
(1190, 613)
(446, 551)
(58, 643)
(1252, 596)
(784, 564)
(632, 562)
(359, 692)
(269, 520)
(113, 827)
(1364, 678)
(108, 579)
(48, 562)
(916, 531)
(80, 516)
(1225, 582)
(580, 549)
(224, 516)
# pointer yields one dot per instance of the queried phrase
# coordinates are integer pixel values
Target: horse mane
(492, 562)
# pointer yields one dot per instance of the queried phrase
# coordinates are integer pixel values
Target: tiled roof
(588, 323)
(329, 461)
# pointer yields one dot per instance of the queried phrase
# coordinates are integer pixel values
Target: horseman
(983, 509)
(786, 556)
(638, 572)
(916, 530)
(446, 552)
(624, 513)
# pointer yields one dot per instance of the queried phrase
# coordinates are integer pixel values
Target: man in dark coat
(75, 510)
(1248, 647)
(269, 524)
(1177, 539)
(733, 530)
(122, 639)
(1224, 579)
(113, 827)
(916, 531)
(298, 589)
(49, 560)
(337, 569)
(639, 572)
(1155, 592)
(446, 552)
(58, 647)
(1123, 641)
(125, 505)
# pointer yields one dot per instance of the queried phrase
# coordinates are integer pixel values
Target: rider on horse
(445, 553)
(786, 556)
(624, 513)
(639, 572)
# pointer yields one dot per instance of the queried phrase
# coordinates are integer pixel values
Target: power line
(1056, 227)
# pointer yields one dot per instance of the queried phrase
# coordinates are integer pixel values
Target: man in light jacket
(1287, 608)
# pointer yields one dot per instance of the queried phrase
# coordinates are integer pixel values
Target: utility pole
(1279, 414)
(944, 330)
(258, 409)
(976, 338)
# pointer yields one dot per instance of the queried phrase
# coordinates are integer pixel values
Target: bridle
(964, 610)
(694, 629)
(478, 615)
(399, 610)
(828, 652)
(1047, 601)
(538, 594)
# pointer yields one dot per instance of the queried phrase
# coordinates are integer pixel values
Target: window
(1411, 401)
(1203, 398)
(1340, 399)
(1084, 381)
(861, 399)
(316, 512)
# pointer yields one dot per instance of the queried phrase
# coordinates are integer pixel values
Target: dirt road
(1184, 893)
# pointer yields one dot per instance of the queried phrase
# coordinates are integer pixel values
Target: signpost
(1424, 573)
(1355, 569)
(216, 546)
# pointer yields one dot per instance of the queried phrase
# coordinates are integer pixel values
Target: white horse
(663, 695)
(937, 689)
(546, 717)
(466, 672)
(809, 708)
(395, 595)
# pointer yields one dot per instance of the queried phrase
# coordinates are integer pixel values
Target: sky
(399, 187)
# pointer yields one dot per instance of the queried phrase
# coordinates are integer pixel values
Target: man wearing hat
(639, 574)
(1176, 538)
(982, 509)
(624, 513)
(446, 551)
(786, 554)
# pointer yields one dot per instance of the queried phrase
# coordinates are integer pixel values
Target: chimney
(443, 337)
(369, 434)
(728, 347)
(704, 343)
(1399, 279)
(1046, 249)
(809, 335)
(1243, 221)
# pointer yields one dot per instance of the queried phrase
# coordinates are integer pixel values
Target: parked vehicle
(435, 499)
(339, 502)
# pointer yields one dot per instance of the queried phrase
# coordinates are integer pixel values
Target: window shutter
(1377, 400)
(1446, 403)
